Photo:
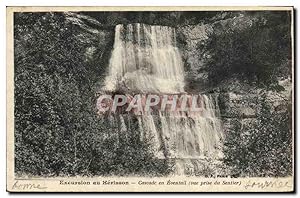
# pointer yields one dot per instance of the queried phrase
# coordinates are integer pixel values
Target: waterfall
(145, 59)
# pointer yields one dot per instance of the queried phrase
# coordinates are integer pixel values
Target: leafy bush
(57, 130)
(262, 149)
(256, 53)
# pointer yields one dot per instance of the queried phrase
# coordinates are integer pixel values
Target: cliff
(244, 58)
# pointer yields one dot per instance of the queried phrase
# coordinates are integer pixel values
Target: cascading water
(145, 59)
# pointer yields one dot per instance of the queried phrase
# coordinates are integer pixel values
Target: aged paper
(150, 99)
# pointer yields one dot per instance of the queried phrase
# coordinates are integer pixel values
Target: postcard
(150, 99)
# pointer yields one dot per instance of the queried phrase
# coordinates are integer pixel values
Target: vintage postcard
(150, 99)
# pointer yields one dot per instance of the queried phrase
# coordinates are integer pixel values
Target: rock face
(61, 59)
(195, 38)
(245, 107)
(237, 100)
(235, 105)
(242, 104)
(95, 37)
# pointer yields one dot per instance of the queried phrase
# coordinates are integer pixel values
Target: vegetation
(57, 131)
(257, 53)
(172, 19)
(262, 149)
(59, 64)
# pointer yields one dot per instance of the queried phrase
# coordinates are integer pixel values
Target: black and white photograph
(151, 100)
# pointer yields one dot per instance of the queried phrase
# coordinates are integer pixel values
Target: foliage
(256, 52)
(58, 66)
(125, 153)
(166, 18)
(57, 131)
(262, 149)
